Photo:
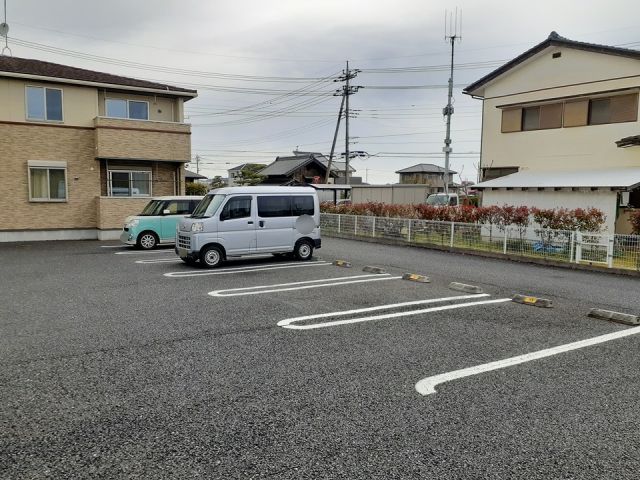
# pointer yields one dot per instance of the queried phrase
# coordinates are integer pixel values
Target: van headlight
(196, 227)
(132, 223)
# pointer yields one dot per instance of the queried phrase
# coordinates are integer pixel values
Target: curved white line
(250, 268)
(390, 306)
(300, 285)
(159, 260)
(426, 386)
(393, 315)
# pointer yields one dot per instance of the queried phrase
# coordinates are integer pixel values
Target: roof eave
(42, 78)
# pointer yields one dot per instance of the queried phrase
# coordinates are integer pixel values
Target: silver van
(237, 221)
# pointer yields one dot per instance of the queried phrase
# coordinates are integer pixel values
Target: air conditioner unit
(624, 199)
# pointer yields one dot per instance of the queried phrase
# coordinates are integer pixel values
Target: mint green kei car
(156, 224)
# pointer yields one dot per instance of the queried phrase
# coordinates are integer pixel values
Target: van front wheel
(211, 257)
(303, 250)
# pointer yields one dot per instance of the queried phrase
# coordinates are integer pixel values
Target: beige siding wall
(112, 211)
(161, 109)
(79, 104)
(585, 147)
(21, 143)
(391, 194)
(127, 139)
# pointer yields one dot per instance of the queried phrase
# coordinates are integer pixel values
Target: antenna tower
(452, 34)
(4, 32)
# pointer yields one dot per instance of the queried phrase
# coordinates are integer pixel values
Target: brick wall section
(115, 139)
(112, 210)
(21, 143)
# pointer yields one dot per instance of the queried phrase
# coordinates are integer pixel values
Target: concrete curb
(463, 287)
(535, 301)
(496, 256)
(372, 269)
(625, 318)
(416, 277)
(342, 263)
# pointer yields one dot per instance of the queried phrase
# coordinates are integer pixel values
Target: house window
(119, 108)
(618, 109)
(44, 104)
(47, 181)
(125, 183)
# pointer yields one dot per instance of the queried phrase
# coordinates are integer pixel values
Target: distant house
(192, 177)
(425, 174)
(234, 173)
(560, 129)
(304, 168)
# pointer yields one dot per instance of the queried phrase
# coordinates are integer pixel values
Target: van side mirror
(166, 211)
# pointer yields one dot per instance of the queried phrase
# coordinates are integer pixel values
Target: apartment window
(617, 109)
(44, 104)
(133, 109)
(125, 183)
(47, 181)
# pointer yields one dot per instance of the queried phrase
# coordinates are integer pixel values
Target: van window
(274, 206)
(302, 206)
(236, 207)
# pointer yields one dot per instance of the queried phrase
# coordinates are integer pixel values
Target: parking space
(129, 361)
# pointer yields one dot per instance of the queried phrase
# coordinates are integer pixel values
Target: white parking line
(143, 252)
(426, 386)
(284, 323)
(285, 287)
(113, 246)
(159, 260)
(393, 315)
(249, 268)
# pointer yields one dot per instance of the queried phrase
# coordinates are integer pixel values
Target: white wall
(566, 198)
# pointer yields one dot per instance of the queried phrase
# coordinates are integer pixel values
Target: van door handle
(250, 222)
(261, 223)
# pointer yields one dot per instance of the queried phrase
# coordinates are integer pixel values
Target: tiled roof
(424, 168)
(552, 40)
(26, 66)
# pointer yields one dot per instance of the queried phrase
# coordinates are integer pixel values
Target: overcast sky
(305, 43)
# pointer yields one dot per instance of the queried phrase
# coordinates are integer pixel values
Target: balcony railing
(118, 138)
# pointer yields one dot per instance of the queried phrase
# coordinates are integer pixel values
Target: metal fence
(607, 250)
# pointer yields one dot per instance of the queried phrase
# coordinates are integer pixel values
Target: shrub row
(635, 222)
(585, 220)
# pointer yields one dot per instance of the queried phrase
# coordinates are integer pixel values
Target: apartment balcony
(142, 140)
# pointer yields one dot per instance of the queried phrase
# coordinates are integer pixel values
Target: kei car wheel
(147, 240)
(303, 250)
(211, 257)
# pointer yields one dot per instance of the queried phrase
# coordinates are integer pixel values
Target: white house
(560, 129)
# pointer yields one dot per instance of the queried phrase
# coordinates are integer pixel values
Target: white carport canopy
(623, 178)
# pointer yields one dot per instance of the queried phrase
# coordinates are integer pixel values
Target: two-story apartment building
(80, 150)
(560, 129)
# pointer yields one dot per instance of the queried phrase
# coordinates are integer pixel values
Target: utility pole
(198, 164)
(345, 91)
(4, 32)
(451, 34)
(335, 137)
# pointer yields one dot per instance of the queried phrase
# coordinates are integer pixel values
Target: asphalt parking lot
(117, 363)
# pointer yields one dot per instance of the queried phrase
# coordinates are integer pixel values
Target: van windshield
(437, 200)
(208, 206)
(154, 207)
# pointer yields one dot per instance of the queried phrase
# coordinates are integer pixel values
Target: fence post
(409, 231)
(610, 245)
(452, 232)
(339, 217)
(373, 228)
(355, 225)
(578, 247)
(506, 236)
(572, 246)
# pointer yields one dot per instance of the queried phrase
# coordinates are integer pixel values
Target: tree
(217, 182)
(193, 188)
(249, 174)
